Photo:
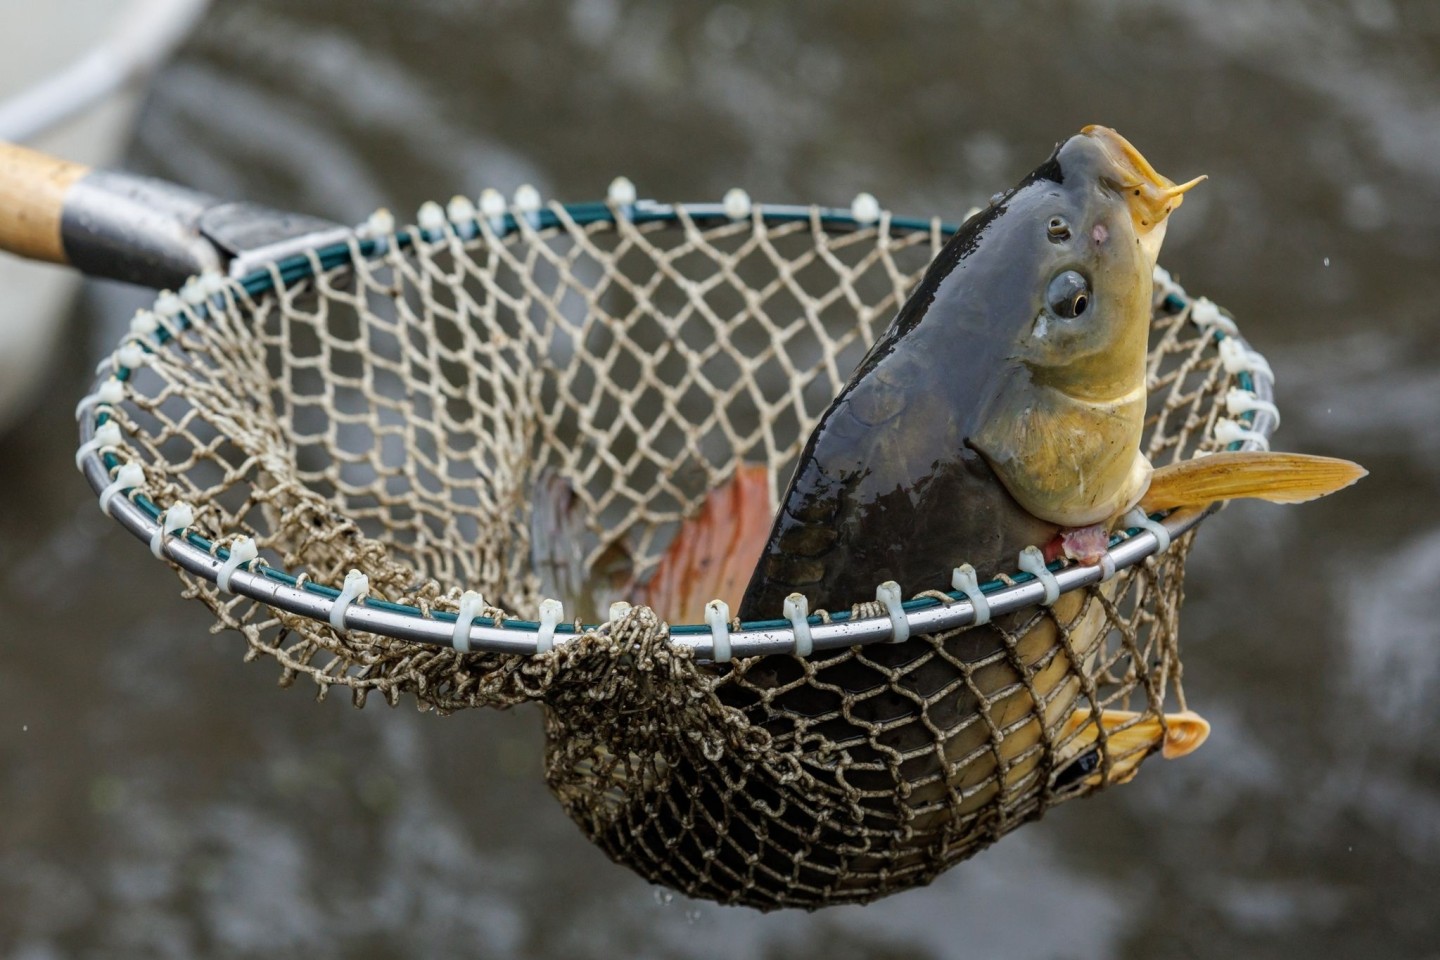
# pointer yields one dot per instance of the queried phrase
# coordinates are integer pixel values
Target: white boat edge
(99, 58)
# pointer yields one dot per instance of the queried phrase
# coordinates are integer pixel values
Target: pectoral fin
(1276, 477)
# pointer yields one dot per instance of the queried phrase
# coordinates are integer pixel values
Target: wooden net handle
(33, 187)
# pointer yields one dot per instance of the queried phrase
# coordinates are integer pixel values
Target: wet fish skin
(960, 438)
(908, 474)
(969, 426)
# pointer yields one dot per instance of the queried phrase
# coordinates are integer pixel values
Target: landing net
(375, 422)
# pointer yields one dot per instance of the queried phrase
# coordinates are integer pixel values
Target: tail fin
(1276, 477)
(715, 551)
(1130, 739)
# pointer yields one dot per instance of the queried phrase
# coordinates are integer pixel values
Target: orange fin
(1276, 477)
(715, 551)
(1130, 737)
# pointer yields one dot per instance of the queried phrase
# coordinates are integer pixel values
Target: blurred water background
(158, 798)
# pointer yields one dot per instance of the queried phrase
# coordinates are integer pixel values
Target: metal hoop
(278, 588)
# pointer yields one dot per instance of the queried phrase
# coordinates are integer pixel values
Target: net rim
(296, 594)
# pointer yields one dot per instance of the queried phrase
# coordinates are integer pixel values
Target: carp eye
(1058, 229)
(1069, 295)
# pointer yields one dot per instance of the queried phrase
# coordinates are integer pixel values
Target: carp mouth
(1150, 196)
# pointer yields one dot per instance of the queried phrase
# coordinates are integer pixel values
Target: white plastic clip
(797, 610)
(1107, 566)
(471, 603)
(144, 323)
(527, 198)
(106, 435)
(242, 551)
(736, 203)
(621, 192)
(1205, 315)
(167, 304)
(1032, 561)
(1138, 518)
(129, 476)
(356, 585)
(430, 217)
(618, 610)
(865, 208)
(192, 293)
(131, 356)
(1227, 431)
(492, 203)
(1165, 284)
(717, 615)
(174, 520)
(212, 282)
(1239, 401)
(551, 612)
(460, 209)
(888, 594)
(1238, 358)
(111, 392)
(965, 580)
(381, 223)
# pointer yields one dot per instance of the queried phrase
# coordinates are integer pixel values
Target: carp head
(1063, 430)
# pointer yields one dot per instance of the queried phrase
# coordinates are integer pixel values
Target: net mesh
(403, 414)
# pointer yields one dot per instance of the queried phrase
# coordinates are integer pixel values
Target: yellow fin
(557, 552)
(1185, 732)
(1276, 477)
(1130, 737)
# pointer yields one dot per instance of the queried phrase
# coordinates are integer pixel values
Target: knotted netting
(403, 403)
